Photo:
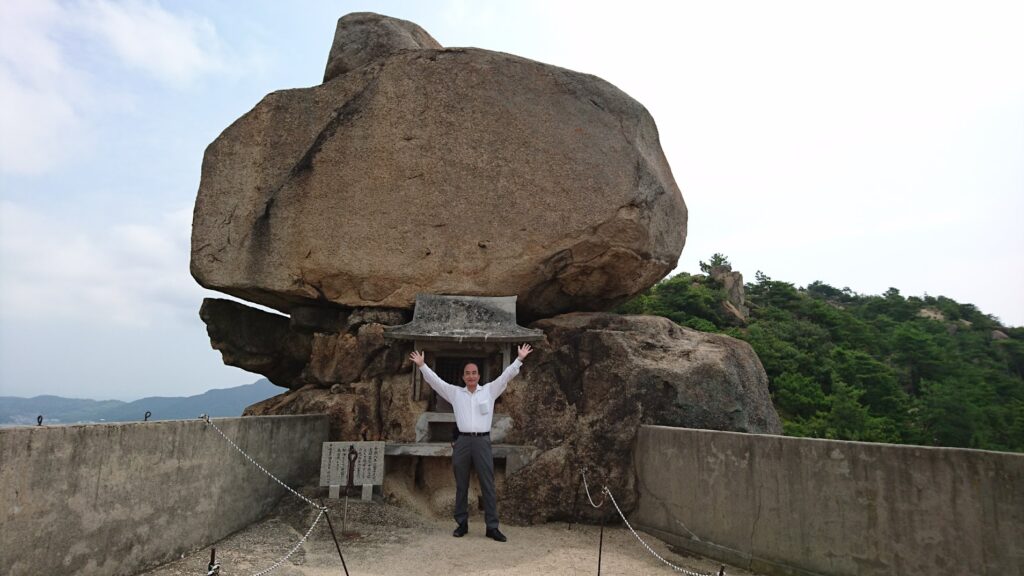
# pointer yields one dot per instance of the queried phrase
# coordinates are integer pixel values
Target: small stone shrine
(453, 330)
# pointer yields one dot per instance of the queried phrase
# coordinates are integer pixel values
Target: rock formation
(256, 341)
(447, 171)
(415, 168)
(598, 377)
(335, 352)
(579, 399)
(362, 38)
(734, 305)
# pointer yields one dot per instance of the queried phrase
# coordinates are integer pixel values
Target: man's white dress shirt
(473, 411)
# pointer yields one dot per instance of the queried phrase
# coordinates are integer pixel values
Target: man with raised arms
(474, 409)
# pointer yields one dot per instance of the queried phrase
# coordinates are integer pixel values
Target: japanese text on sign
(367, 463)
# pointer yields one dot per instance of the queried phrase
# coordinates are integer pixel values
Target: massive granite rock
(596, 379)
(415, 168)
(448, 171)
(256, 341)
(343, 347)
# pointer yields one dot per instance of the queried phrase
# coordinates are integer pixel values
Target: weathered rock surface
(365, 37)
(343, 347)
(353, 409)
(376, 409)
(732, 282)
(597, 378)
(447, 171)
(255, 340)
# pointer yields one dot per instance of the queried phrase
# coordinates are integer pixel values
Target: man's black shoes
(492, 533)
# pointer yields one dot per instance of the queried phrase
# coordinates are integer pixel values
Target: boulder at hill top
(418, 169)
(446, 171)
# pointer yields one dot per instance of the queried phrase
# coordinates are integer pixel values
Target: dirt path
(396, 542)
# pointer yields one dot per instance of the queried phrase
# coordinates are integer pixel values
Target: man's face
(471, 376)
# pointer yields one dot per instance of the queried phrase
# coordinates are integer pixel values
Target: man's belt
(474, 433)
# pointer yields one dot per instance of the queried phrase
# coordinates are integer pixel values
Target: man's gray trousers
(474, 451)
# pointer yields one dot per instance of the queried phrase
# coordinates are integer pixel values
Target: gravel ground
(386, 540)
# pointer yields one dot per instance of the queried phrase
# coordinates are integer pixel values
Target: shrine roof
(441, 318)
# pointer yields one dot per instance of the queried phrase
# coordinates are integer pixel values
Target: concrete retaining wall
(114, 499)
(778, 505)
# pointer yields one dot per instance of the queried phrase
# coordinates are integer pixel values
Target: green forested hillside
(888, 368)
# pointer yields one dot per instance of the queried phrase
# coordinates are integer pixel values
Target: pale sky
(864, 144)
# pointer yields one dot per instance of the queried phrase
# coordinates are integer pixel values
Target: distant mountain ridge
(59, 410)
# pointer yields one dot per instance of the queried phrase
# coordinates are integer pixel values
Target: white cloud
(50, 100)
(27, 26)
(174, 49)
(41, 125)
(129, 274)
(40, 93)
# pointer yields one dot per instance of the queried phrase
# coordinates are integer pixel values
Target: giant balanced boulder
(415, 168)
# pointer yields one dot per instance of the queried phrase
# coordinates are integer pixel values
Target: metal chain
(583, 471)
(322, 509)
(645, 545)
(262, 469)
(298, 545)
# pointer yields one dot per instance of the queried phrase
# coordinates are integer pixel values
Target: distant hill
(58, 410)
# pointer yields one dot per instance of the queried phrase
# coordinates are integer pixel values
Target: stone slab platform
(515, 456)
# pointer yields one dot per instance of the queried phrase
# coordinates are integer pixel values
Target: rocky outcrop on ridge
(734, 304)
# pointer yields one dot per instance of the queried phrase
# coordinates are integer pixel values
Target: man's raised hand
(417, 358)
(524, 351)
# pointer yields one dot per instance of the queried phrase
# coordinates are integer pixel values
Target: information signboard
(365, 458)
